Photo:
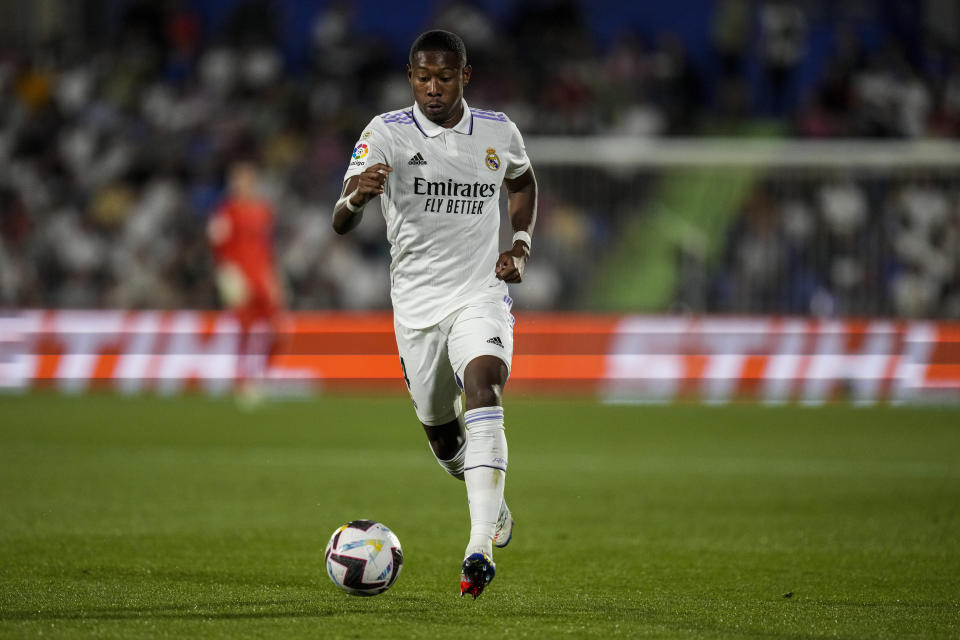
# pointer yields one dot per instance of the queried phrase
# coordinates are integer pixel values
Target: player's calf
(448, 442)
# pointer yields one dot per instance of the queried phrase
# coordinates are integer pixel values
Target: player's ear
(409, 73)
(467, 72)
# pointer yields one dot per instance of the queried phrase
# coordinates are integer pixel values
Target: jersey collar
(431, 129)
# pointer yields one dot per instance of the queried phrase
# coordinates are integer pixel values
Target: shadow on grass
(137, 577)
(226, 610)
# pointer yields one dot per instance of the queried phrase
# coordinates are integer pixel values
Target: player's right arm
(357, 191)
(366, 175)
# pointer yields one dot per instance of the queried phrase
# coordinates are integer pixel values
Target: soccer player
(438, 167)
(241, 236)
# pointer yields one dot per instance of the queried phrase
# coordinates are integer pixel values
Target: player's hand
(510, 264)
(371, 182)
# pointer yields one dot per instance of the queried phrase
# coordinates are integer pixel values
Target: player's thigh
(481, 329)
(427, 373)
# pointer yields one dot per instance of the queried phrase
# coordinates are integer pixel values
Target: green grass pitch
(187, 517)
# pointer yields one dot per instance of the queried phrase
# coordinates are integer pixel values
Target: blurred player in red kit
(241, 235)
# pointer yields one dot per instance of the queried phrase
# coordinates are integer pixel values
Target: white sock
(485, 473)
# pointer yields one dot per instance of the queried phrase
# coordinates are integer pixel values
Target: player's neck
(455, 117)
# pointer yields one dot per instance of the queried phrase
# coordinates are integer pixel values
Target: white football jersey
(442, 206)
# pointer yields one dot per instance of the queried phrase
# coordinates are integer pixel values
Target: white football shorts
(433, 359)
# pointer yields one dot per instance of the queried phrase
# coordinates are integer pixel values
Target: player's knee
(483, 396)
(484, 380)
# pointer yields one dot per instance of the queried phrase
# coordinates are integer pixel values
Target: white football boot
(504, 531)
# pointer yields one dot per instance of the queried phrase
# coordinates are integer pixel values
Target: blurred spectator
(926, 245)
(783, 36)
(756, 260)
(731, 36)
(948, 115)
(677, 90)
(624, 99)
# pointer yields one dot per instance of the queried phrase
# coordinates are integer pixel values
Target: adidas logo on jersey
(417, 160)
(495, 341)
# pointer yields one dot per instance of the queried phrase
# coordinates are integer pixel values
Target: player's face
(438, 81)
(243, 181)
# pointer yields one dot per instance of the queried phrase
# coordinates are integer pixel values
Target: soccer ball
(364, 558)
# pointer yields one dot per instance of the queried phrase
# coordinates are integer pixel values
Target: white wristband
(523, 236)
(352, 207)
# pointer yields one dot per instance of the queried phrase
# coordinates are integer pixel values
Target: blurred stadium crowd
(113, 153)
(826, 245)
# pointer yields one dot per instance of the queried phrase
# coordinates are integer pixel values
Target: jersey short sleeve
(372, 147)
(516, 156)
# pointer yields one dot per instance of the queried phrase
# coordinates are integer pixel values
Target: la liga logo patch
(360, 151)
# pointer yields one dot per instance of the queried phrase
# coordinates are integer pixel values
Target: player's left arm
(522, 209)
(219, 228)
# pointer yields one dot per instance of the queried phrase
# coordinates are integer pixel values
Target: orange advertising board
(620, 358)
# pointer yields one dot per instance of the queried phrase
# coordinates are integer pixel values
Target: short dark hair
(440, 40)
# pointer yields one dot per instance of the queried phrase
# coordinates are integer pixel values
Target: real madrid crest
(492, 159)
